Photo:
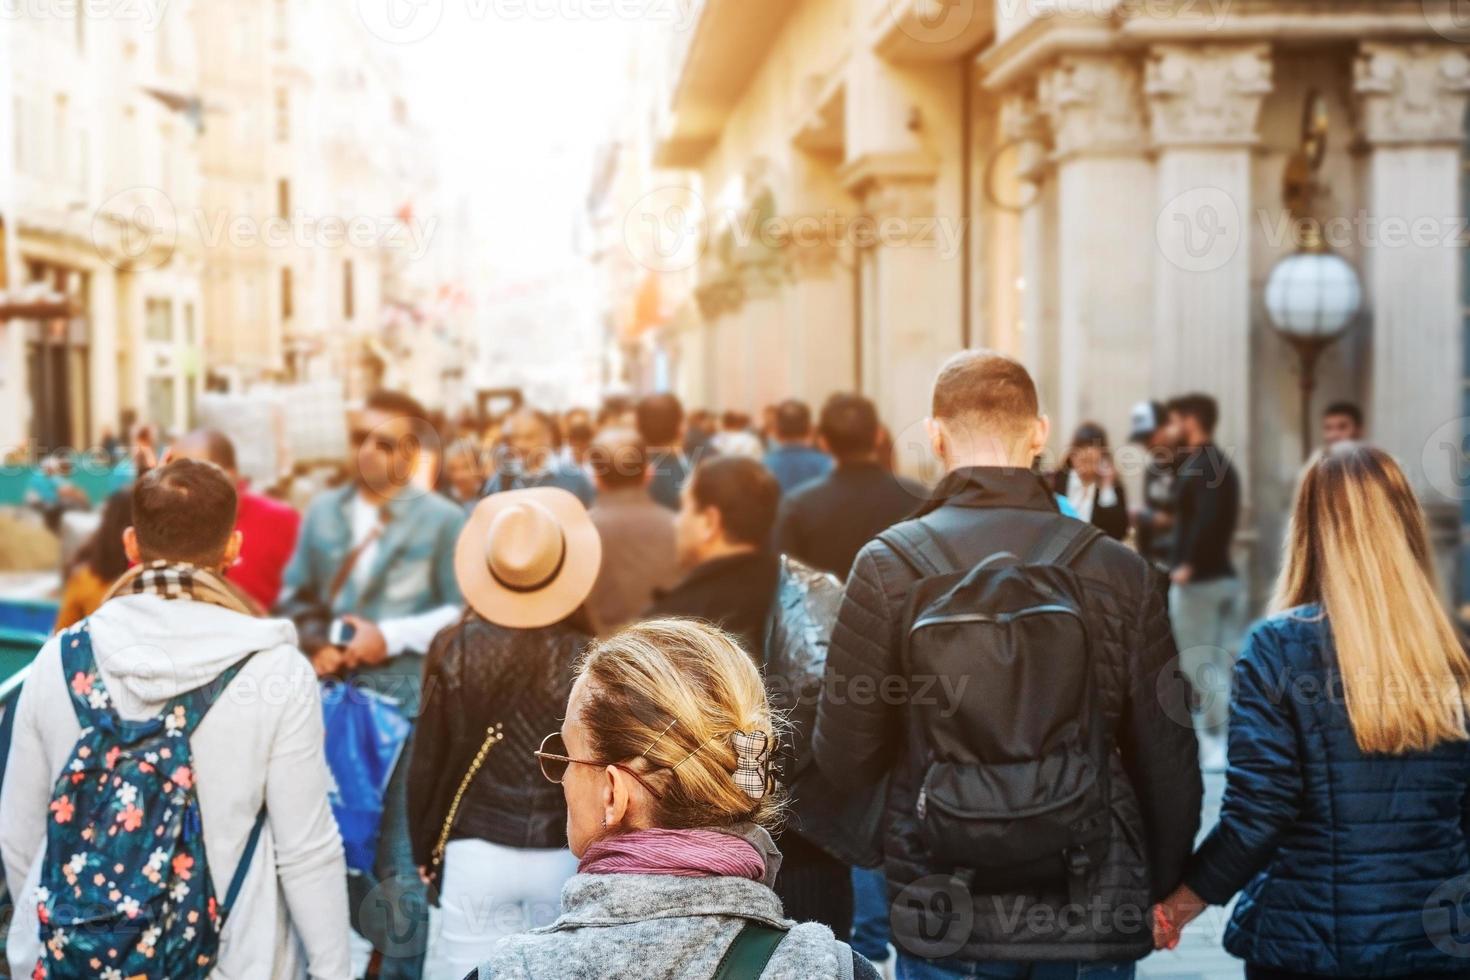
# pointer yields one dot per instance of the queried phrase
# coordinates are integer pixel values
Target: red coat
(269, 528)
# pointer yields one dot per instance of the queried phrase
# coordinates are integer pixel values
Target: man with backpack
(1010, 672)
(164, 811)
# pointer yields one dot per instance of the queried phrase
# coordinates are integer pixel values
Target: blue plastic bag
(365, 735)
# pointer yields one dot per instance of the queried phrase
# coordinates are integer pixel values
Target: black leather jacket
(1156, 784)
(477, 675)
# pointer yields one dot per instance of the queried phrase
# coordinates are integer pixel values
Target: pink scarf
(681, 853)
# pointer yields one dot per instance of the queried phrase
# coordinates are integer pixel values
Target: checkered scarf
(177, 580)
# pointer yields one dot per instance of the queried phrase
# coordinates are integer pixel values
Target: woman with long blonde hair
(1348, 795)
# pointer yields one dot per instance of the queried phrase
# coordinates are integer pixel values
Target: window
(190, 328)
(283, 114)
(283, 198)
(158, 320)
(287, 300)
(161, 402)
(348, 292)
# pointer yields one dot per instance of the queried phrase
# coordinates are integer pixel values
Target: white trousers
(489, 892)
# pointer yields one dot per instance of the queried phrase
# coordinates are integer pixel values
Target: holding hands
(1173, 914)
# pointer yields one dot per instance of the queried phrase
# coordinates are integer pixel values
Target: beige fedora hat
(528, 558)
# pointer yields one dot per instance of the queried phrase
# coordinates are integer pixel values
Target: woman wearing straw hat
(488, 831)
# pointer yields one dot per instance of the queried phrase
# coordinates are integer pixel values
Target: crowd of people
(1024, 679)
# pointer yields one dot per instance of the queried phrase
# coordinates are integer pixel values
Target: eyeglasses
(555, 762)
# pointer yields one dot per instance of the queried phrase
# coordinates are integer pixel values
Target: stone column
(767, 337)
(819, 321)
(105, 397)
(719, 302)
(1205, 101)
(1412, 101)
(1104, 238)
(1022, 120)
(911, 299)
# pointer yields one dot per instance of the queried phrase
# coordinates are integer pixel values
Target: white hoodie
(261, 744)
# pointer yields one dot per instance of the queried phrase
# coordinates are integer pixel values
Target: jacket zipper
(999, 619)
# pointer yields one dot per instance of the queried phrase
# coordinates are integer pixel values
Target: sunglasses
(382, 444)
(554, 763)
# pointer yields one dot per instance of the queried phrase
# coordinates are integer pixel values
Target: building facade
(101, 159)
(1100, 188)
(227, 193)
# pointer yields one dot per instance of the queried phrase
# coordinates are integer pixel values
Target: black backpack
(1015, 757)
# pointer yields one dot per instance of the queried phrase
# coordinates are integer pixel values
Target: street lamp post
(1312, 297)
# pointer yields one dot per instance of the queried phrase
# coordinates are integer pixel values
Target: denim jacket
(412, 572)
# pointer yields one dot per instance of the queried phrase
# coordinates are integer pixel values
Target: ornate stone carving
(1207, 95)
(896, 192)
(1023, 122)
(1412, 93)
(816, 256)
(1094, 103)
(719, 296)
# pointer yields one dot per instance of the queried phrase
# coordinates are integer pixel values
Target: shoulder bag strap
(921, 548)
(747, 957)
(196, 703)
(77, 664)
(1065, 543)
(243, 868)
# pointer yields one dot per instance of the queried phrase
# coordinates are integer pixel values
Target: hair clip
(752, 763)
(660, 738)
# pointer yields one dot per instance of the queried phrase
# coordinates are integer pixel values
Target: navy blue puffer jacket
(1351, 865)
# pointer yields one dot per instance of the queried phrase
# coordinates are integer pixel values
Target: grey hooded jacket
(660, 927)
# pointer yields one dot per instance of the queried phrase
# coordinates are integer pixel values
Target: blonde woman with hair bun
(664, 760)
(1347, 802)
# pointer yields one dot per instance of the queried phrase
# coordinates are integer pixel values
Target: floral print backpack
(125, 890)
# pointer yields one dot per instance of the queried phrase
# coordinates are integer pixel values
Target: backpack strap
(923, 550)
(747, 957)
(1065, 543)
(196, 703)
(89, 696)
(243, 868)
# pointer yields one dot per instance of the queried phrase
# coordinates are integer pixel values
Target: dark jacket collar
(991, 486)
(741, 564)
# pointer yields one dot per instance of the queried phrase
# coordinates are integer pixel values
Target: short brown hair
(985, 389)
(743, 491)
(618, 459)
(184, 512)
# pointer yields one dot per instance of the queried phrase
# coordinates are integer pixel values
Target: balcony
(715, 58)
(918, 31)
